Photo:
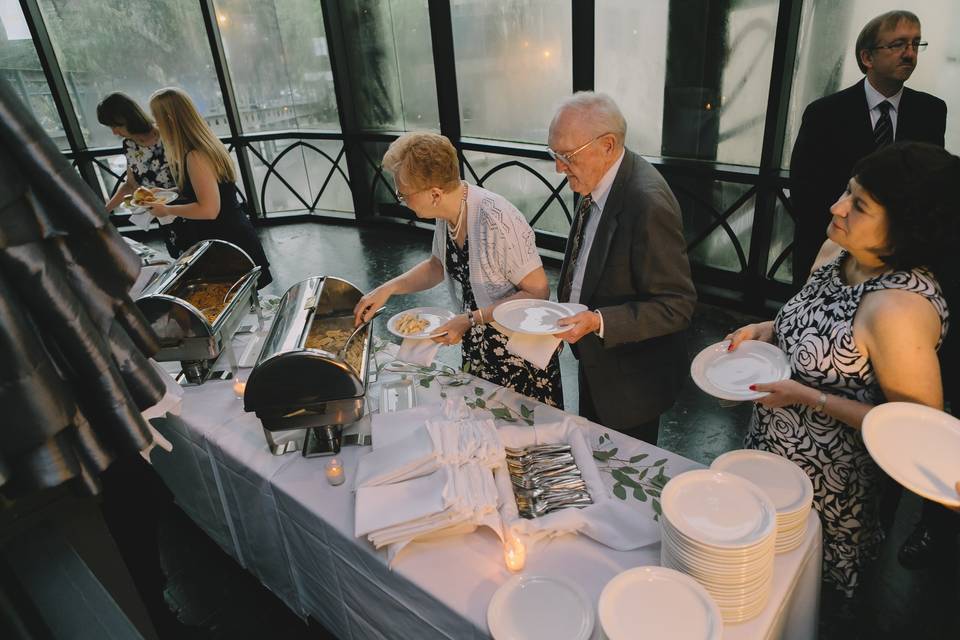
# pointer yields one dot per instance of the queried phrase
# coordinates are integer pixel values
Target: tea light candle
(239, 386)
(334, 472)
(514, 553)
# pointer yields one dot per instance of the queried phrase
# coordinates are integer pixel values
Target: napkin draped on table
(608, 521)
(420, 352)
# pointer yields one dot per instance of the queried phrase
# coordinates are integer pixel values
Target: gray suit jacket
(638, 276)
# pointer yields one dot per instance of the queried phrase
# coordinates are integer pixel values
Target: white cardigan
(502, 247)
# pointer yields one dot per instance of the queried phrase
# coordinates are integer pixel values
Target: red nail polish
(753, 387)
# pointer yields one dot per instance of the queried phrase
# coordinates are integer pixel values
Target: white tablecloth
(279, 518)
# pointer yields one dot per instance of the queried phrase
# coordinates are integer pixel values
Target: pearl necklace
(455, 232)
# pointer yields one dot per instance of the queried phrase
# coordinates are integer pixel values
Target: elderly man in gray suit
(626, 260)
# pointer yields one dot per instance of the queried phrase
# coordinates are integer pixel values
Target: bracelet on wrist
(821, 402)
(482, 321)
(471, 319)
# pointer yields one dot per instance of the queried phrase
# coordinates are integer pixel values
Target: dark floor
(207, 589)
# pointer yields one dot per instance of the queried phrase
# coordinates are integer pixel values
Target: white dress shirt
(599, 194)
(874, 98)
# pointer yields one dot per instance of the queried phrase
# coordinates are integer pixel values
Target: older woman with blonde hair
(483, 248)
(208, 207)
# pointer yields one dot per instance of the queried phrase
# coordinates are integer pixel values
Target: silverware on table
(545, 478)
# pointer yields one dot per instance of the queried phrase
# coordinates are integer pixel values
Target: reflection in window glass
(134, 46)
(691, 77)
(523, 188)
(513, 61)
(20, 66)
(826, 62)
(391, 64)
(279, 63)
(631, 64)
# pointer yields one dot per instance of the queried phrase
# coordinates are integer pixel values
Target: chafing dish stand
(197, 304)
(310, 379)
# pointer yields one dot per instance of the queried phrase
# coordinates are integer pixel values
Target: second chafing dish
(311, 376)
(196, 305)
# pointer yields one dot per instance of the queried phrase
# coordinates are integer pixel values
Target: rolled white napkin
(537, 350)
(420, 352)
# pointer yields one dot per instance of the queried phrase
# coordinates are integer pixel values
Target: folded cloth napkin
(608, 521)
(420, 352)
(386, 506)
(414, 455)
(537, 350)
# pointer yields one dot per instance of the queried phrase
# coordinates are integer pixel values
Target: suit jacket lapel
(606, 229)
(860, 113)
(904, 131)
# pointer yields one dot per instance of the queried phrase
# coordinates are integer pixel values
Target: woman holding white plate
(483, 248)
(864, 330)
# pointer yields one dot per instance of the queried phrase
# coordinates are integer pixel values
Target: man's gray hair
(597, 110)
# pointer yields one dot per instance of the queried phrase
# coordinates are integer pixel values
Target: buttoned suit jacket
(835, 133)
(638, 276)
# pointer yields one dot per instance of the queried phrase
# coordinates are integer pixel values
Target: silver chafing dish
(311, 376)
(196, 305)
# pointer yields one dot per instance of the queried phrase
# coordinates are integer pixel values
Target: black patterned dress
(815, 329)
(485, 348)
(148, 164)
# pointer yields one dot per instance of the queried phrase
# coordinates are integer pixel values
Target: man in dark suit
(626, 260)
(841, 128)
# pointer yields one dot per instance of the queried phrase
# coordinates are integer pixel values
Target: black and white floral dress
(815, 329)
(148, 164)
(485, 348)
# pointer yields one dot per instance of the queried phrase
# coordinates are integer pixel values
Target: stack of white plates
(787, 485)
(720, 529)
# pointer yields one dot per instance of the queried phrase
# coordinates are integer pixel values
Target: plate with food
(143, 197)
(421, 322)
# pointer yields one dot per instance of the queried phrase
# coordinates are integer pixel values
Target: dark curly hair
(917, 184)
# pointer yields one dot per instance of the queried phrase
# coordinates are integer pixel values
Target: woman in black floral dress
(865, 329)
(483, 248)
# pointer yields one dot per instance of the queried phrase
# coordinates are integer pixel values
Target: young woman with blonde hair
(208, 207)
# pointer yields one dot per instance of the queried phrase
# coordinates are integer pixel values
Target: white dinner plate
(540, 608)
(656, 602)
(786, 483)
(163, 196)
(718, 509)
(728, 374)
(917, 446)
(435, 317)
(535, 317)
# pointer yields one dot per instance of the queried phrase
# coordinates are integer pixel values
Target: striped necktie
(579, 230)
(883, 131)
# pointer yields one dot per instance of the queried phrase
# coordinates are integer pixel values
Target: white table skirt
(280, 519)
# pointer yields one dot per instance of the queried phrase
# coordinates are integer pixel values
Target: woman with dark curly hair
(865, 329)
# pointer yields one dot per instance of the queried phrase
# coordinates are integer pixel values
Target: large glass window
(514, 64)
(279, 63)
(20, 66)
(826, 62)
(691, 76)
(134, 46)
(390, 56)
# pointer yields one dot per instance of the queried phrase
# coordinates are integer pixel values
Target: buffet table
(281, 520)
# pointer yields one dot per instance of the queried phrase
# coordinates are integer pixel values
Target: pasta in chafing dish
(410, 323)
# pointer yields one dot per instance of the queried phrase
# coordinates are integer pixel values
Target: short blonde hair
(423, 160)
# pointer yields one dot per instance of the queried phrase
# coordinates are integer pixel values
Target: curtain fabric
(74, 374)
